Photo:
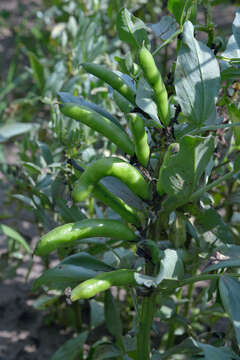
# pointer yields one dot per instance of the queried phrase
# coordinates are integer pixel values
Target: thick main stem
(145, 324)
(146, 318)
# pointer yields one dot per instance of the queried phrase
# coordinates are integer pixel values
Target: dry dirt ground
(24, 335)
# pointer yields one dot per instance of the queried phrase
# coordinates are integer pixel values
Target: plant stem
(172, 37)
(145, 324)
(78, 316)
(146, 319)
(197, 278)
(209, 24)
(230, 60)
(212, 128)
(229, 206)
(208, 187)
(189, 297)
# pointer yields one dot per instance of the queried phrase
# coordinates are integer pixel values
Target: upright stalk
(146, 318)
(145, 324)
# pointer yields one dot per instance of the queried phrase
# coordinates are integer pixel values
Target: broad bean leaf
(119, 189)
(230, 295)
(45, 301)
(10, 130)
(234, 115)
(171, 271)
(180, 173)
(72, 26)
(88, 261)
(69, 214)
(192, 231)
(131, 30)
(127, 79)
(57, 77)
(25, 199)
(196, 79)
(165, 27)
(233, 45)
(145, 280)
(46, 152)
(106, 351)
(234, 197)
(125, 63)
(230, 73)
(179, 8)
(43, 182)
(192, 347)
(97, 313)
(119, 258)
(130, 344)
(89, 43)
(69, 98)
(230, 258)
(217, 353)
(71, 271)
(112, 315)
(71, 349)
(236, 27)
(63, 276)
(171, 267)
(32, 168)
(38, 70)
(212, 228)
(13, 234)
(187, 346)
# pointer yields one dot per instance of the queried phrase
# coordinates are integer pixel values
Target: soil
(24, 333)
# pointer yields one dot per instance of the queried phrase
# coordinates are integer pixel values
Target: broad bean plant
(160, 203)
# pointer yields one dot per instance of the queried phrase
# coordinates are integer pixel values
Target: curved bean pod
(100, 192)
(102, 282)
(99, 123)
(140, 138)
(154, 78)
(65, 235)
(112, 79)
(111, 166)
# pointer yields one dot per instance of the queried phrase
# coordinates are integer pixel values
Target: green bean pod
(100, 192)
(112, 79)
(154, 79)
(67, 234)
(111, 166)
(99, 123)
(102, 282)
(140, 138)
